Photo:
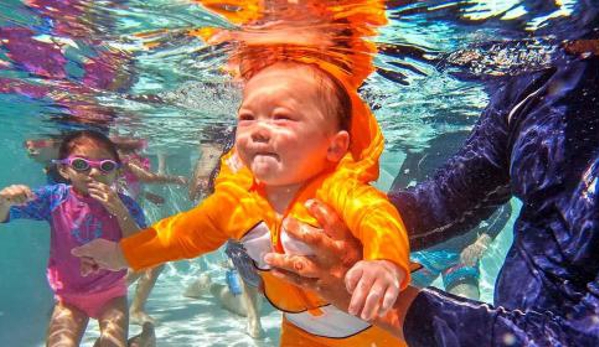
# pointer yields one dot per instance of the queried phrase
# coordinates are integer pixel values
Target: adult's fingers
(314, 237)
(328, 218)
(299, 265)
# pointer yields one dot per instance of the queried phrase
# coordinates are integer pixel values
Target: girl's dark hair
(84, 137)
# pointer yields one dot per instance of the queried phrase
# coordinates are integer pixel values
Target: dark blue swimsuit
(538, 140)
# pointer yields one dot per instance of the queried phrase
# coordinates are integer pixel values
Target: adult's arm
(430, 317)
(469, 187)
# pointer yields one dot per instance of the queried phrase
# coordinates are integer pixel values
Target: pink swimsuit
(76, 220)
(132, 185)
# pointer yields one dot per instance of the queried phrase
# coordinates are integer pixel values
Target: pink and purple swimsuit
(76, 220)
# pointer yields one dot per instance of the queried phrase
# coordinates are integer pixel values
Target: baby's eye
(282, 117)
(245, 117)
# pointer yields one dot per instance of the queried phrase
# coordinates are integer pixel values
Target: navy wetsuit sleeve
(466, 190)
(437, 318)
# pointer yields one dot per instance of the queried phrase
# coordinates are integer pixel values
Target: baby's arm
(13, 195)
(376, 281)
(185, 235)
(374, 285)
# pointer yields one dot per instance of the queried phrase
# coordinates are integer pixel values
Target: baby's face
(284, 133)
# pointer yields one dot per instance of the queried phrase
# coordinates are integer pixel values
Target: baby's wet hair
(336, 99)
(80, 138)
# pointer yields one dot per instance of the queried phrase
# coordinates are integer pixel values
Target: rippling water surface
(134, 68)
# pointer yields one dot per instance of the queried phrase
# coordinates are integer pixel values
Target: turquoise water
(170, 93)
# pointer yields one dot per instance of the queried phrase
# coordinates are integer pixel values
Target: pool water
(128, 68)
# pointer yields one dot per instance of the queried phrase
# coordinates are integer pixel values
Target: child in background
(44, 151)
(292, 145)
(87, 209)
(136, 172)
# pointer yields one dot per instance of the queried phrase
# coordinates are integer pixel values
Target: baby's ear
(338, 146)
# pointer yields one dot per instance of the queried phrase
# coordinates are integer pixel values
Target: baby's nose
(261, 133)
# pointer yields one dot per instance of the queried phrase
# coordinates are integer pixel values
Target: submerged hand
(16, 195)
(101, 252)
(374, 285)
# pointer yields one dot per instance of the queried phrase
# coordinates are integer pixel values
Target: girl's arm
(115, 205)
(127, 223)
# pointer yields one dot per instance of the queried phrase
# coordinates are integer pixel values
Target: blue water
(170, 91)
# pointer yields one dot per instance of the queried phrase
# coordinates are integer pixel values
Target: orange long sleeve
(189, 234)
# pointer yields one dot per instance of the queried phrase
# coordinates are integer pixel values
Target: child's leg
(66, 327)
(147, 338)
(114, 322)
(199, 287)
(463, 280)
(251, 298)
(467, 290)
(133, 276)
(145, 284)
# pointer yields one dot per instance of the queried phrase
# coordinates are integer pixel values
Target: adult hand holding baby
(336, 251)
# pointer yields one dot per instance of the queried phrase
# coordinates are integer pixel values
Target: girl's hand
(374, 285)
(16, 195)
(108, 198)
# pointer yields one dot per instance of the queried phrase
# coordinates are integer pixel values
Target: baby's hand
(100, 254)
(16, 195)
(374, 285)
